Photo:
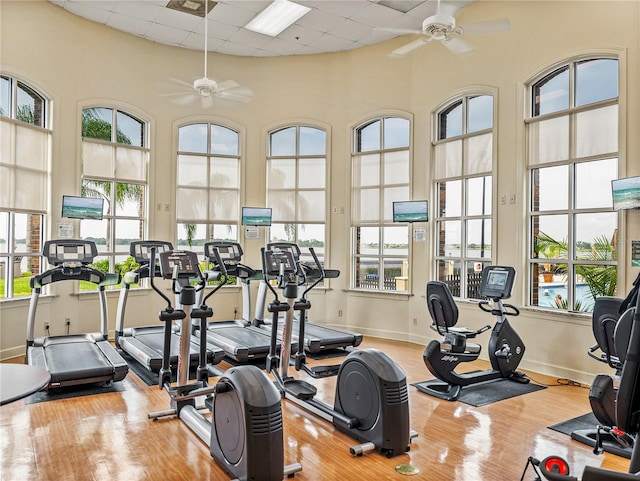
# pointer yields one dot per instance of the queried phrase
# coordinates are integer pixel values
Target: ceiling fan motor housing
(205, 86)
(439, 26)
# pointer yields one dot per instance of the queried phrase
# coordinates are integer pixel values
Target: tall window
(208, 184)
(296, 186)
(381, 167)
(463, 187)
(25, 159)
(572, 136)
(115, 161)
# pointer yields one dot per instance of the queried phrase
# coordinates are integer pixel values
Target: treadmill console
(497, 282)
(229, 252)
(280, 262)
(69, 252)
(178, 264)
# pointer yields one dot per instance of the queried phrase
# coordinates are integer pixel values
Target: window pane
(479, 238)
(391, 195)
(449, 271)
(4, 232)
(30, 107)
(97, 123)
(449, 159)
(225, 232)
(192, 204)
(129, 200)
(283, 142)
(311, 206)
(224, 173)
(368, 137)
(98, 160)
(392, 279)
(190, 235)
(224, 141)
(282, 173)
(449, 238)
(594, 236)
(311, 173)
(479, 196)
(450, 199)
(312, 235)
(282, 232)
(192, 170)
(33, 197)
(479, 154)
(126, 231)
(95, 230)
(480, 113)
(550, 188)
(283, 205)
(312, 141)
(396, 241)
(369, 241)
(5, 97)
(193, 138)
(31, 148)
(550, 236)
(130, 130)
(396, 167)
(450, 121)
(593, 183)
(474, 278)
(367, 273)
(596, 80)
(369, 205)
(551, 94)
(597, 131)
(594, 281)
(396, 133)
(131, 164)
(223, 206)
(549, 140)
(369, 169)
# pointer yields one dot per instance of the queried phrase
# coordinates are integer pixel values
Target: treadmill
(317, 337)
(239, 340)
(74, 359)
(146, 344)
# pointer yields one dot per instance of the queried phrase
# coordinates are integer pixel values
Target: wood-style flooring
(108, 437)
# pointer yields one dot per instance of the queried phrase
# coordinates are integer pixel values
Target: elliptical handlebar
(152, 262)
(222, 275)
(320, 268)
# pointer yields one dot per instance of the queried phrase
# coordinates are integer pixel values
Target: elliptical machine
(245, 434)
(506, 349)
(371, 399)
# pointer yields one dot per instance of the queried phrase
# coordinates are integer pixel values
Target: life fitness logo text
(449, 358)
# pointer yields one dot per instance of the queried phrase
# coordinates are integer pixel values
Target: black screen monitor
(497, 282)
(626, 193)
(411, 211)
(256, 216)
(82, 207)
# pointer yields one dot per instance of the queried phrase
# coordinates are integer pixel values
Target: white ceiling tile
(89, 12)
(374, 14)
(164, 34)
(351, 30)
(219, 30)
(331, 43)
(319, 20)
(300, 34)
(128, 24)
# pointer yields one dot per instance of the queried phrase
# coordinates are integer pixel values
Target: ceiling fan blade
(486, 27)
(227, 84)
(399, 31)
(182, 82)
(405, 49)
(239, 94)
(457, 45)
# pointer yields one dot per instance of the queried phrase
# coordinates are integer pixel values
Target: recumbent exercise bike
(506, 349)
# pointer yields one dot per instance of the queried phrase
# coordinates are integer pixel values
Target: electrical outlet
(339, 312)
(46, 325)
(415, 321)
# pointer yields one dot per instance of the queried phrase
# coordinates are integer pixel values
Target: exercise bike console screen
(179, 264)
(277, 260)
(497, 282)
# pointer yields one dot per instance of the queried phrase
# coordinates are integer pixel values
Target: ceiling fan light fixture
(277, 17)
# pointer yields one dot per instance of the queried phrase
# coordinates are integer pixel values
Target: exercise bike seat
(444, 312)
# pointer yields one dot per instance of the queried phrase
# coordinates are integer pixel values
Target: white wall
(76, 62)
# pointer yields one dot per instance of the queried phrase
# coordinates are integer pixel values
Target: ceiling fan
(207, 89)
(442, 27)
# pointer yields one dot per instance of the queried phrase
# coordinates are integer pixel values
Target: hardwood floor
(109, 437)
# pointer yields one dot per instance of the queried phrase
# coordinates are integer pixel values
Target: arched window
(208, 183)
(380, 175)
(25, 160)
(296, 186)
(572, 137)
(463, 186)
(115, 157)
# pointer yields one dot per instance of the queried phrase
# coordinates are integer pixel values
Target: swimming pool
(547, 294)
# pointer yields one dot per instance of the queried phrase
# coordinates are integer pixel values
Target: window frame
(464, 288)
(570, 260)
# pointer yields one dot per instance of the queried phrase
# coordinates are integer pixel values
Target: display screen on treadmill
(497, 280)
